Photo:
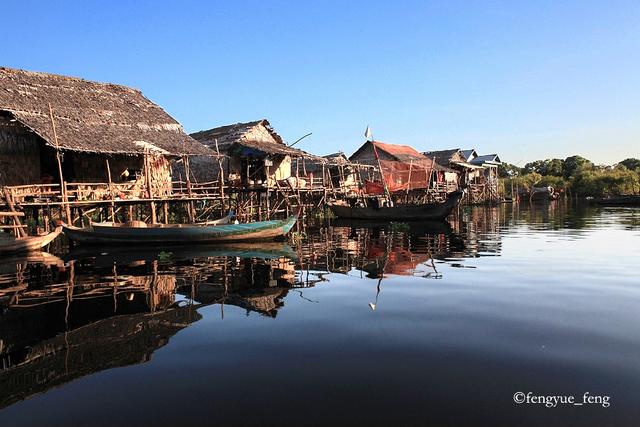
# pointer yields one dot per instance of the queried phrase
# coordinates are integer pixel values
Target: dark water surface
(358, 325)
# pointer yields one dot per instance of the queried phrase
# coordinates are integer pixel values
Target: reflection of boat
(44, 258)
(428, 211)
(414, 228)
(110, 233)
(27, 244)
(125, 255)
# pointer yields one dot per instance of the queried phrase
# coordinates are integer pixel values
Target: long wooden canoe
(629, 200)
(109, 233)
(27, 244)
(429, 211)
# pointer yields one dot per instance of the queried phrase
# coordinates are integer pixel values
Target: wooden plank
(4, 214)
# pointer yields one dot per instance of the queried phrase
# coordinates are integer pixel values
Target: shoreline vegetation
(574, 176)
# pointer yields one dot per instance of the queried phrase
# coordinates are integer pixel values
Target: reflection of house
(94, 123)
(251, 283)
(108, 343)
(398, 261)
(257, 154)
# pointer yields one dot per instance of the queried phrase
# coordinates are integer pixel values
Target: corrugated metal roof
(486, 159)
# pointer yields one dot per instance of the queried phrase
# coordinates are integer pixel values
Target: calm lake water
(358, 325)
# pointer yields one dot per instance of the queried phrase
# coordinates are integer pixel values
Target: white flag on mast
(368, 134)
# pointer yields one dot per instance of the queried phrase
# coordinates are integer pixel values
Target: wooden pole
(433, 164)
(409, 180)
(19, 230)
(221, 178)
(112, 207)
(165, 210)
(187, 171)
(268, 193)
(147, 175)
(384, 181)
(63, 188)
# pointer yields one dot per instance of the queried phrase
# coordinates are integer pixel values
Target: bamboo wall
(19, 154)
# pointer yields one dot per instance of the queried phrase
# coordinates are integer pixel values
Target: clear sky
(524, 79)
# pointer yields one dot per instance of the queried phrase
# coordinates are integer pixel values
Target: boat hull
(427, 212)
(257, 231)
(28, 244)
(618, 201)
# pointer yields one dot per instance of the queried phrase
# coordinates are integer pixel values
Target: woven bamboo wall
(19, 154)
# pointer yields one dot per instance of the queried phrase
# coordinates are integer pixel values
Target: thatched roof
(338, 158)
(251, 139)
(92, 117)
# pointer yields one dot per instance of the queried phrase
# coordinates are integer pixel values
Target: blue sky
(528, 80)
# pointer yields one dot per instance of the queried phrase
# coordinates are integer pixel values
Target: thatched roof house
(92, 120)
(257, 154)
(338, 158)
(251, 139)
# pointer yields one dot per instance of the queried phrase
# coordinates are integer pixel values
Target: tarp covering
(401, 176)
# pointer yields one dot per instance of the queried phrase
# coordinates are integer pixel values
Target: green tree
(554, 167)
(631, 163)
(606, 182)
(506, 170)
(557, 182)
(575, 164)
(545, 167)
(535, 166)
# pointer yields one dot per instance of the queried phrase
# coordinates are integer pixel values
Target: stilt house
(456, 159)
(256, 155)
(55, 128)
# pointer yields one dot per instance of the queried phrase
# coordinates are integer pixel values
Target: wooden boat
(27, 244)
(110, 233)
(628, 200)
(427, 212)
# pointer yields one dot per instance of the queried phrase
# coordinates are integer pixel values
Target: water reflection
(90, 310)
(98, 310)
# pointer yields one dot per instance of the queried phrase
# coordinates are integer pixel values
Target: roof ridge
(65, 77)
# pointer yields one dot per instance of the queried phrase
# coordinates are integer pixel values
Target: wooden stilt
(112, 207)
